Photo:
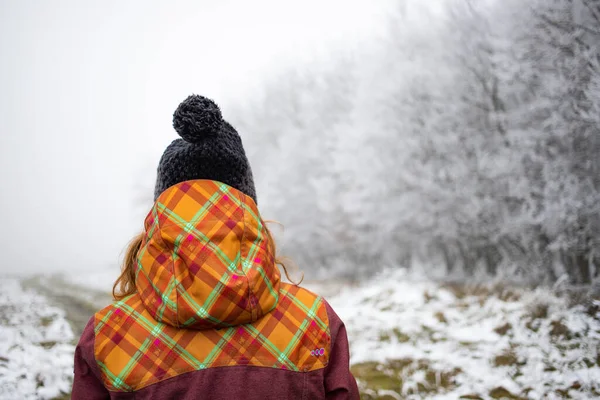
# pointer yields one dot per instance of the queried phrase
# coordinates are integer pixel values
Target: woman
(200, 311)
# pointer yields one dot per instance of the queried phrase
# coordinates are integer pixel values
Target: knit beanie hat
(209, 148)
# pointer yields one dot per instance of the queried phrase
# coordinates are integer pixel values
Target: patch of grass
(401, 336)
(462, 305)
(506, 293)
(377, 378)
(533, 325)
(48, 344)
(507, 358)
(62, 396)
(549, 368)
(593, 310)
(39, 381)
(5, 312)
(589, 363)
(441, 317)
(501, 291)
(371, 395)
(468, 345)
(437, 380)
(538, 310)
(565, 345)
(576, 295)
(384, 337)
(431, 334)
(427, 297)
(503, 329)
(560, 330)
(459, 290)
(564, 393)
(502, 393)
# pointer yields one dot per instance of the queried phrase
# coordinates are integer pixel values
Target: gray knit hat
(209, 148)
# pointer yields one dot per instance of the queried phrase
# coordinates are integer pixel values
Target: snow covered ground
(36, 345)
(410, 339)
(416, 339)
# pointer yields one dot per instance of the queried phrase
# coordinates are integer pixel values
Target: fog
(452, 137)
(88, 90)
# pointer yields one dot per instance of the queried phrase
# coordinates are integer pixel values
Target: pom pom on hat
(197, 118)
(209, 148)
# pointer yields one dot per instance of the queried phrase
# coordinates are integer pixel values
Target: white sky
(87, 95)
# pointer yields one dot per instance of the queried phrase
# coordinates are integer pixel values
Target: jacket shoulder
(295, 336)
(302, 294)
(305, 304)
(309, 311)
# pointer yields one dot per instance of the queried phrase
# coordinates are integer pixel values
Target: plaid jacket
(211, 319)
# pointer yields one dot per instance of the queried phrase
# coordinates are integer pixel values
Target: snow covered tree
(468, 143)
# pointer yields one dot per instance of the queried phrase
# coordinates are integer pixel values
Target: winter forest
(470, 144)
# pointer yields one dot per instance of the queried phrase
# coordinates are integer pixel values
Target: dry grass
(503, 329)
(538, 310)
(441, 317)
(399, 376)
(507, 358)
(502, 393)
(560, 330)
(502, 291)
(64, 396)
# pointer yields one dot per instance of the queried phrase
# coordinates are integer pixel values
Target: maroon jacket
(241, 382)
(210, 318)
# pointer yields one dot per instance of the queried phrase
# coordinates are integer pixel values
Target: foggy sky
(88, 91)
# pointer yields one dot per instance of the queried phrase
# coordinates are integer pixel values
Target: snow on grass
(36, 345)
(417, 339)
(410, 339)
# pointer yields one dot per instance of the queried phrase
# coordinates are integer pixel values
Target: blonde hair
(125, 283)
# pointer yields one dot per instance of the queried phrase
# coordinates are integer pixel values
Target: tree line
(467, 143)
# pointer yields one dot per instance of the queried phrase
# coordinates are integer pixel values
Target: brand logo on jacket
(317, 352)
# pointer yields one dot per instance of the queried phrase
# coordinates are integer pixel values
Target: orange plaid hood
(206, 260)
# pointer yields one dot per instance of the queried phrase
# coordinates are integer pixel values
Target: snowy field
(417, 340)
(411, 338)
(36, 345)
